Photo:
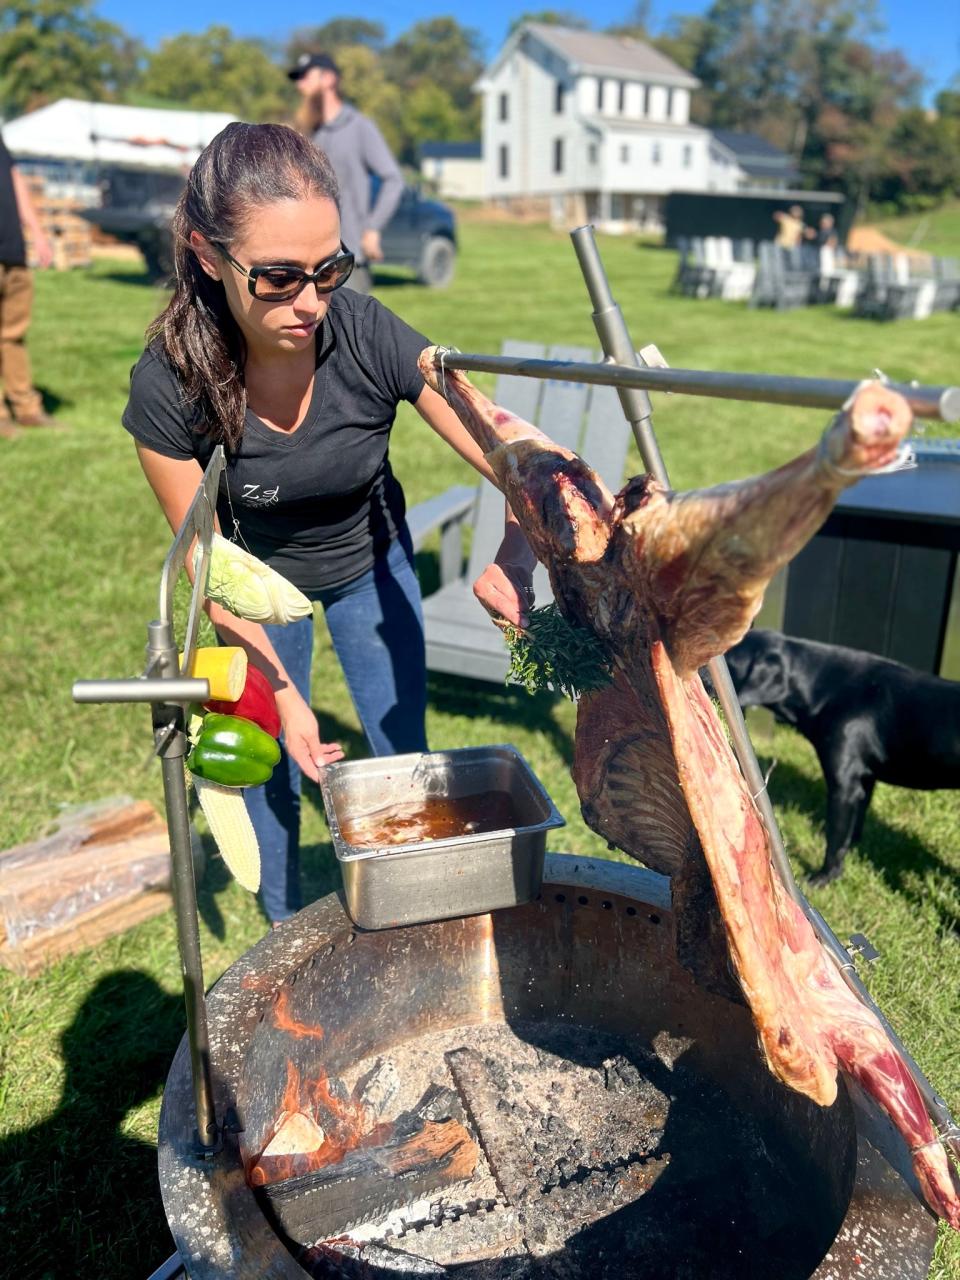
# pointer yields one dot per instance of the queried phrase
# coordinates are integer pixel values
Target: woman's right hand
(301, 735)
(506, 592)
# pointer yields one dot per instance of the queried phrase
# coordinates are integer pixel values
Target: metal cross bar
(169, 692)
(764, 388)
(617, 345)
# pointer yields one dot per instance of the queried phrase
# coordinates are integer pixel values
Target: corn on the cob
(224, 666)
(231, 828)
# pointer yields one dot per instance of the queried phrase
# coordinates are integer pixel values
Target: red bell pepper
(256, 703)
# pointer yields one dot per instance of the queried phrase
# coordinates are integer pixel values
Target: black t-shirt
(13, 252)
(317, 504)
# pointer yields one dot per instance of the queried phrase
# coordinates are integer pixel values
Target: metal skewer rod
(169, 692)
(617, 345)
(764, 388)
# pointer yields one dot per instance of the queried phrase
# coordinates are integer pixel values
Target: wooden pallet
(103, 870)
(70, 235)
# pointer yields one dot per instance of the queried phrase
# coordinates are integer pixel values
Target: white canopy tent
(105, 133)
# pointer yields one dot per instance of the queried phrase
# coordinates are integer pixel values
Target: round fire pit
(543, 1091)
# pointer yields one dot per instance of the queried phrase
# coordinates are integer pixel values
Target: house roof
(593, 52)
(596, 54)
(450, 150)
(756, 155)
(109, 133)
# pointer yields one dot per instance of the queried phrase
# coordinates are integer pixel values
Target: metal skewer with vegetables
(234, 736)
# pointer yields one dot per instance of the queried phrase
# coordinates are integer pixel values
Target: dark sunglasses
(282, 284)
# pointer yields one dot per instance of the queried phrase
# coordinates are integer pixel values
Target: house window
(656, 156)
(687, 156)
(592, 153)
(504, 107)
(558, 155)
(558, 97)
(646, 100)
(600, 93)
(504, 162)
(624, 155)
(669, 104)
(622, 98)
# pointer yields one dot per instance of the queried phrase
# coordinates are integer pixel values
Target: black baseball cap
(308, 60)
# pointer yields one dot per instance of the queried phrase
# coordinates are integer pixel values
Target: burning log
(393, 1165)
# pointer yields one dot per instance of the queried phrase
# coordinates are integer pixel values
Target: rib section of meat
(667, 581)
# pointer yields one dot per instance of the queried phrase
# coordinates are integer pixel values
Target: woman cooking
(262, 350)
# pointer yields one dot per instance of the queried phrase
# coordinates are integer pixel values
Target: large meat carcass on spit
(666, 581)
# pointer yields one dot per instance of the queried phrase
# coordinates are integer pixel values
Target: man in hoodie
(357, 151)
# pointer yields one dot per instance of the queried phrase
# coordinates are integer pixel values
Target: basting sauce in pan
(432, 818)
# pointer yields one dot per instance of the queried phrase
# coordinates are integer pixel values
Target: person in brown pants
(19, 396)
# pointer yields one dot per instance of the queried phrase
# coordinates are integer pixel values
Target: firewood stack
(104, 868)
(70, 235)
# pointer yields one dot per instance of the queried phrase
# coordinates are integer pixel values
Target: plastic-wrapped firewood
(102, 868)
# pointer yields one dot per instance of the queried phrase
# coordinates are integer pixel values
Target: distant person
(357, 151)
(789, 227)
(826, 232)
(19, 396)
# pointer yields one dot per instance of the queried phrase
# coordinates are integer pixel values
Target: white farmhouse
(589, 127)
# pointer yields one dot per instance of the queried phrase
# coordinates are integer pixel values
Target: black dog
(870, 720)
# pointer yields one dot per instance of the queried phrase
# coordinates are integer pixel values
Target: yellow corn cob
(232, 830)
(225, 666)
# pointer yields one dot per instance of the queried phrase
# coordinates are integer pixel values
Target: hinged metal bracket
(860, 945)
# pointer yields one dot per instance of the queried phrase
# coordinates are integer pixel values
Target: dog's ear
(762, 675)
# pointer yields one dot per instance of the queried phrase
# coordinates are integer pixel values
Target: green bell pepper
(233, 751)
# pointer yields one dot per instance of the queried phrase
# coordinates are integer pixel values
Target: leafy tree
(365, 84)
(637, 24)
(923, 159)
(429, 115)
(53, 49)
(850, 145)
(335, 35)
(551, 18)
(442, 52)
(218, 71)
(947, 101)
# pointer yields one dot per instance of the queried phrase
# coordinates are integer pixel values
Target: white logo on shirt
(254, 496)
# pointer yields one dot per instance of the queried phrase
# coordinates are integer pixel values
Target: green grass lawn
(84, 1049)
(936, 232)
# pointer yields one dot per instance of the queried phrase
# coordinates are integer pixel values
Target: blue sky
(927, 31)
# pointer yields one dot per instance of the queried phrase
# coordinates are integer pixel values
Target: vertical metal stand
(169, 694)
(618, 348)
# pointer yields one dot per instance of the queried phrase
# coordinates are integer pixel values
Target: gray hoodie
(356, 150)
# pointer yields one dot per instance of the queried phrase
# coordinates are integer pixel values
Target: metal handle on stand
(617, 346)
(169, 692)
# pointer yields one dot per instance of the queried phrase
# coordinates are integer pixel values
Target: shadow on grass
(390, 279)
(214, 878)
(906, 865)
(462, 696)
(51, 401)
(82, 1197)
(140, 278)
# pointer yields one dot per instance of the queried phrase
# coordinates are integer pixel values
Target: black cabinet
(882, 573)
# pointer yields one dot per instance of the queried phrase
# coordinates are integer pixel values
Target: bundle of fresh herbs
(554, 653)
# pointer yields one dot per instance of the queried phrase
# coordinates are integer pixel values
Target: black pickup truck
(137, 204)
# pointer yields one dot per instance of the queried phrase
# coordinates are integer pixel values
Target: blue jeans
(376, 625)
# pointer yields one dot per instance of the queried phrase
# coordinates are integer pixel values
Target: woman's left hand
(506, 592)
(301, 735)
